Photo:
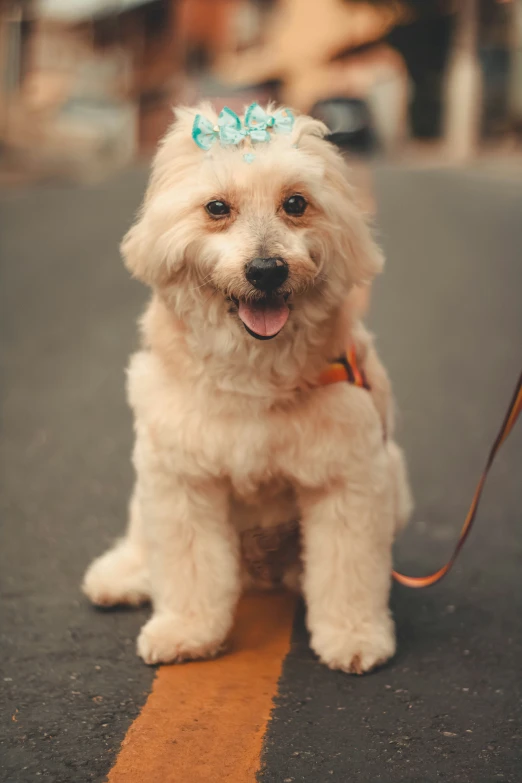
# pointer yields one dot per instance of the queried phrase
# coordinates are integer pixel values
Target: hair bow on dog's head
(258, 122)
(228, 129)
(230, 132)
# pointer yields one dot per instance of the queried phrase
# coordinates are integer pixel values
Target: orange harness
(347, 369)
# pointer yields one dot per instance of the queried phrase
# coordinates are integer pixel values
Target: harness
(346, 368)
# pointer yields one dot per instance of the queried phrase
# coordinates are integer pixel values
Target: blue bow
(258, 122)
(229, 131)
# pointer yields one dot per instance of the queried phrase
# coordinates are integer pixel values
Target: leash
(513, 412)
(347, 368)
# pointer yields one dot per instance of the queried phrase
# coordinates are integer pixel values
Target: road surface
(448, 317)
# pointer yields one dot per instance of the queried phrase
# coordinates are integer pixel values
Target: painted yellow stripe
(205, 721)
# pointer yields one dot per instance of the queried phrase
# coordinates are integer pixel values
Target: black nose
(266, 274)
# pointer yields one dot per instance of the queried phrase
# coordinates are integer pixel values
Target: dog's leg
(193, 561)
(120, 575)
(347, 535)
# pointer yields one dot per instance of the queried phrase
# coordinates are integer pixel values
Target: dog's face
(259, 245)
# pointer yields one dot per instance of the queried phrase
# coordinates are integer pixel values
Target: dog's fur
(233, 433)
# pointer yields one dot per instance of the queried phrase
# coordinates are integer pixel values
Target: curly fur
(231, 433)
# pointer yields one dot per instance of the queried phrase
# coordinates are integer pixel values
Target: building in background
(88, 85)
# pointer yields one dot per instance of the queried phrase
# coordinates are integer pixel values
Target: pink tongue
(264, 318)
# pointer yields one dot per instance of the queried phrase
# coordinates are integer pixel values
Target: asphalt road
(449, 322)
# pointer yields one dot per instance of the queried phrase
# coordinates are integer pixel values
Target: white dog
(240, 244)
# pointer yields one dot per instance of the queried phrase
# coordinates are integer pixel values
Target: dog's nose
(266, 274)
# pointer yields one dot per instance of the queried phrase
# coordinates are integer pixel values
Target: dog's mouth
(263, 318)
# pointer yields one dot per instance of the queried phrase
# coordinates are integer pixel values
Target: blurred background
(425, 98)
(87, 86)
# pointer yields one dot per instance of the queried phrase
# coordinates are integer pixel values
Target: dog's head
(257, 245)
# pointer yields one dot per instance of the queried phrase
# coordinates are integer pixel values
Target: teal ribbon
(228, 129)
(258, 122)
(230, 132)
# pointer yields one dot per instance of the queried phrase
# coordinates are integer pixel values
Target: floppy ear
(357, 245)
(351, 237)
(154, 247)
(134, 251)
(360, 249)
(146, 250)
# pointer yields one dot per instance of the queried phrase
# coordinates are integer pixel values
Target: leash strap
(513, 412)
(348, 368)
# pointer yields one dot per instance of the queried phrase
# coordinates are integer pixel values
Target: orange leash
(347, 368)
(513, 412)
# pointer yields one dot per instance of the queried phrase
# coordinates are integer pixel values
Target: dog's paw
(168, 638)
(357, 648)
(117, 577)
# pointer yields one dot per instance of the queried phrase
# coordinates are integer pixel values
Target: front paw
(354, 648)
(169, 638)
(117, 577)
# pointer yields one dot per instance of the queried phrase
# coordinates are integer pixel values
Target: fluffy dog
(251, 260)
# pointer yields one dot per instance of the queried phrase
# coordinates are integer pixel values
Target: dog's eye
(217, 208)
(295, 205)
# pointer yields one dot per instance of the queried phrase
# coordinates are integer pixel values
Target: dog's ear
(134, 252)
(154, 247)
(360, 250)
(351, 236)
(145, 250)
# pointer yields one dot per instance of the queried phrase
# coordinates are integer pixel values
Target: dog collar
(345, 368)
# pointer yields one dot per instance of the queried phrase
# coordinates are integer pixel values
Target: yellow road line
(205, 721)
